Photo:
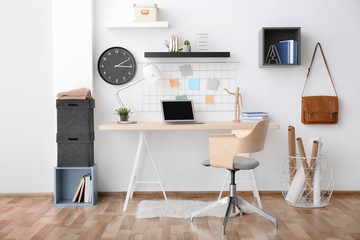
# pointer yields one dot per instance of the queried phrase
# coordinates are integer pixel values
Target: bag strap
(308, 73)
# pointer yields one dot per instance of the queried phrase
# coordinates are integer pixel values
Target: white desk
(159, 126)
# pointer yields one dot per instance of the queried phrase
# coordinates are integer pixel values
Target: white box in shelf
(145, 12)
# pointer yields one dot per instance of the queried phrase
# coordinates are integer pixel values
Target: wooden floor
(31, 218)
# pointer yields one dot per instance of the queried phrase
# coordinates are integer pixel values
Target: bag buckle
(309, 115)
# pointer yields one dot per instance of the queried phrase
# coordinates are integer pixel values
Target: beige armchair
(232, 151)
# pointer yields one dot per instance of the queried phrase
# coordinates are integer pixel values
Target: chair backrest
(223, 147)
(255, 140)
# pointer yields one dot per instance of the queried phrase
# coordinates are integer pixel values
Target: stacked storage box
(75, 132)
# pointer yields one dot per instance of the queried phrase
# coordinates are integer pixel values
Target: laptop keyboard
(187, 122)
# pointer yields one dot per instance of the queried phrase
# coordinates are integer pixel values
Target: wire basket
(307, 183)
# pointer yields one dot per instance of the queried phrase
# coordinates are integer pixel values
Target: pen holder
(311, 183)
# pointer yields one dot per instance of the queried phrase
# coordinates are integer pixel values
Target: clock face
(117, 66)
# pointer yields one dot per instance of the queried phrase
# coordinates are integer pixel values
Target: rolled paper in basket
(314, 154)
(292, 152)
(308, 179)
(297, 186)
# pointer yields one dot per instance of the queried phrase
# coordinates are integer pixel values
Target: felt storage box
(75, 116)
(75, 150)
(145, 12)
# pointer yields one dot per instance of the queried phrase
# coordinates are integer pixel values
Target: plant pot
(186, 48)
(123, 118)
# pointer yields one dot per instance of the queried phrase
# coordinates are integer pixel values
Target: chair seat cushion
(240, 163)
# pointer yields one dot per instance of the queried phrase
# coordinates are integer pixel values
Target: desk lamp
(150, 73)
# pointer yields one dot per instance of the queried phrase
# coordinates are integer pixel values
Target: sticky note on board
(209, 99)
(193, 83)
(181, 97)
(174, 82)
(212, 84)
(186, 70)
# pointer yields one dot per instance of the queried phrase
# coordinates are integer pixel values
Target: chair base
(232, 203)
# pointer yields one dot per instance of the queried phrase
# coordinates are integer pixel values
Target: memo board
(222, 72)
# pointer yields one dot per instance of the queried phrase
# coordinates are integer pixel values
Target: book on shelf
(87, 193)
(287, 50)
(83, 191)
(78, 190)
(81, 194)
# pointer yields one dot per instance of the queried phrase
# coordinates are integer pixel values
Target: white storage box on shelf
(145, 13)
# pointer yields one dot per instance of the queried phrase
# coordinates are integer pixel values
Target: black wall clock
(117, 66)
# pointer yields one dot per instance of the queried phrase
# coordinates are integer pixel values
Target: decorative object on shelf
(202, 42)
(145, 12)
(123, 113)
(117, 66)
(150, 73)
(173, 44)
(237, 105)
(273, 55)
(187, 46)
(319, 109)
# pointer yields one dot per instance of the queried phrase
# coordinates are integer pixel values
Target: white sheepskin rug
(178, 209)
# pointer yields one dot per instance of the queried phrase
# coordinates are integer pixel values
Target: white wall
(28, 148)
(27, 122)
(234, 26)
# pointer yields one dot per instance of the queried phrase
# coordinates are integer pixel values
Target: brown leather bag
(319, 109)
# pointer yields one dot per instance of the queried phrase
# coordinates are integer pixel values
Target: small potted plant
(186, 47)
(123, 113)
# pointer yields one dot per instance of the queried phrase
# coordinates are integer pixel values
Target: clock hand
(122, 62)
(124, 66)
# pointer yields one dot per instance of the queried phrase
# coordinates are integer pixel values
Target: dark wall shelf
(187, 54)
(271, 35)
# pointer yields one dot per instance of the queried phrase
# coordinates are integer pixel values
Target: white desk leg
(133, 173)
(133, 180)
(156, 171)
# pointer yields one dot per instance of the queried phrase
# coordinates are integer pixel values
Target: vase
(186, 48)
(123, 118)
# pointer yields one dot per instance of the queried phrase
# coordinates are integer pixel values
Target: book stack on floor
(253, 116)
(83, 192)
(287, 50)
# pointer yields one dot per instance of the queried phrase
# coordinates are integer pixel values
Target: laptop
(178, 112)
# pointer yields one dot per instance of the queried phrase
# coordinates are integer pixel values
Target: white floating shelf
(158, 24)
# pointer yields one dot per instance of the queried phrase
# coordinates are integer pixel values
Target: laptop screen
(177, 110)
